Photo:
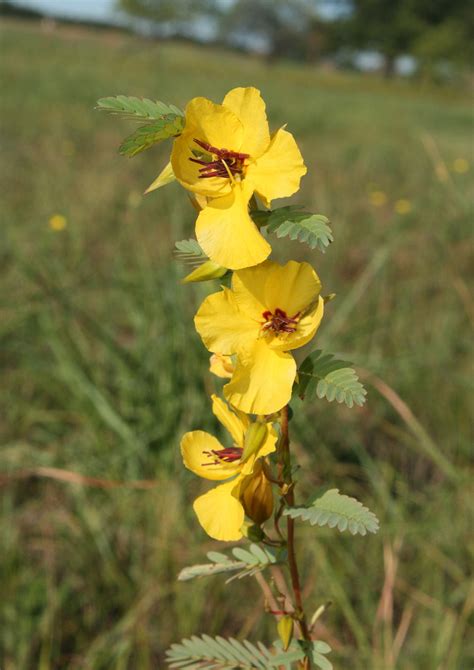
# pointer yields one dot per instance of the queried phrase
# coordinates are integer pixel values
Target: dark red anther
(279, 322)
(226, 162)
(227, 455)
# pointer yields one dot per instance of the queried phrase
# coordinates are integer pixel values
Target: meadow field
(101, 371)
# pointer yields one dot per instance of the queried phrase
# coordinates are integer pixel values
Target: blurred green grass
(102, 372)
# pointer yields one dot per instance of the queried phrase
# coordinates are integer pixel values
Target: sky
(96, 10)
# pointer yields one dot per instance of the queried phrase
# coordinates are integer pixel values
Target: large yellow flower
(221, 511)
(270, 310)
(226, 153)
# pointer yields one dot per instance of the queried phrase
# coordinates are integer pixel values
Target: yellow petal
(305, 331)
(214, 124)
(221, 366)
(262, 381)
(248, 105)
(231, 422)
(196, 450)
(166, 176)
(220, 512)
(228, 235)
(205, 272)
(292, 288)
(222, 327)
(277, 174)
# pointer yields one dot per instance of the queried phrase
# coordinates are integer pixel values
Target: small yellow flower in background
(57, 222)
(403, 206)
(221, 366)
(221, 511)
(226, 154)
(377, 198)
(460, 165)
(269, 310)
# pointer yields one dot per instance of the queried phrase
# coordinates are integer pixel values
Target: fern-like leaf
(290, 221)
(209, 653)
(145, 137)
(189, 252)
(138, 109)
(324, 376)
(247, 563)
(337, 511)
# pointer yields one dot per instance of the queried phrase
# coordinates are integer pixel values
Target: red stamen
(279, 322)
(227, 455)
(226, 162)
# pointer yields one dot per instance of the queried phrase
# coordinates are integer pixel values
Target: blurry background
(102, 371)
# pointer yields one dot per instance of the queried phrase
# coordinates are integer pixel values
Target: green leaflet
(218, 653)
(145, 137)
(324, 376)
(138, 109)
(290, 221)
(246, 562)
(337, 511)
(189, 252)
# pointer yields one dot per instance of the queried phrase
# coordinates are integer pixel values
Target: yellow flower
(403, 206)
(226, 153)
(270, 310)
(57, 222)
(221, 511)
(221, 366)
(460, 165)
(377, 198)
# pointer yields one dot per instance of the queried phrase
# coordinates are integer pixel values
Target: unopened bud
(285, 630)
(254, 438)
(257, 497)
(208, 270)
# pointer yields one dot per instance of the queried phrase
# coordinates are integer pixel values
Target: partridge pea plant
(233, 167)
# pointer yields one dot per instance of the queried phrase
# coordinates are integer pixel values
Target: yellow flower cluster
(227, 159)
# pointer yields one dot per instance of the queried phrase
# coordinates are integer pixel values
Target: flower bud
(257, 497)
(208, 270)
(285, 630)
(254, 438)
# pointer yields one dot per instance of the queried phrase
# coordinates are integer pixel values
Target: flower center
(221, 163)
(279, 322)
(227, 455)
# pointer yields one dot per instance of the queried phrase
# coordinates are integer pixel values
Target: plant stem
(289, 496)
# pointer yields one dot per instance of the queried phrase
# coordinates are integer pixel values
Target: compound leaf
(337, 511)
(324, 376)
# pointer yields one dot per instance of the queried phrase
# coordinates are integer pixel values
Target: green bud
(254, 438)
(205, 272)
(285, 630)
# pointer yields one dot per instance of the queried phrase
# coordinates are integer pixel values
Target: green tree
(426, 28)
